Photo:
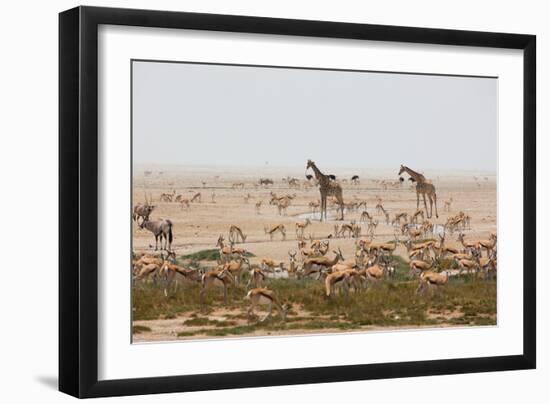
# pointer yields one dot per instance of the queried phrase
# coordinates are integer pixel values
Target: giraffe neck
(318, 174)
(417, 176)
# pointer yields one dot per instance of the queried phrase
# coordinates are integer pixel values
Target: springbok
(432, 279)
(217, 278)
(235, 233)
(196, 198)
(265, 297)
(277, 228)
(301, 227)
(320, 264)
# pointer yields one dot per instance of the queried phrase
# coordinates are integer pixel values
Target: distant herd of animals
(372, 261)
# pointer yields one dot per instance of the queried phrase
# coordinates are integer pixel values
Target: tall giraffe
(424, 187)
(327, 188)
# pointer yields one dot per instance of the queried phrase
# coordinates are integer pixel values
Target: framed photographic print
(270, 201)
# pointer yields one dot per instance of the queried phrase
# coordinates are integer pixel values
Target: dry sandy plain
(198, 227)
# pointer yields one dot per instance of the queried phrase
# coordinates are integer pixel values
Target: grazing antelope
(365, 216)
(277, 228)
(197, 198)
(161, 229)
(301, 227)
(343, 229)
(355, 180)
(342, 279)
(216, 278)
(265, 297)
(258, 207)
(236, 234)
(247, 198)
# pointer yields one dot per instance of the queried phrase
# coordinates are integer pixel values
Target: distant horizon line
(283, 166)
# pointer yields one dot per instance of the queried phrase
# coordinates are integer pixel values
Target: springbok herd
(342, 230)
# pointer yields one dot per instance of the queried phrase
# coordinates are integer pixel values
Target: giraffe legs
(426, 205)
(435, 203)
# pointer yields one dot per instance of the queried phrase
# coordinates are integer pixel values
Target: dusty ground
(198, 227)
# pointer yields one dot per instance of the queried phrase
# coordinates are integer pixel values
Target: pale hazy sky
(247, 116)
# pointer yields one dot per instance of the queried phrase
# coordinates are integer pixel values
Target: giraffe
(424, 187)
(327, 188)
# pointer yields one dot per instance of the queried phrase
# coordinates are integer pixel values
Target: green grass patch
(208, 255)
(138, 329)
(391, 303)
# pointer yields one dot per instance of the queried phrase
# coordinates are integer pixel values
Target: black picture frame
(78, 201)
